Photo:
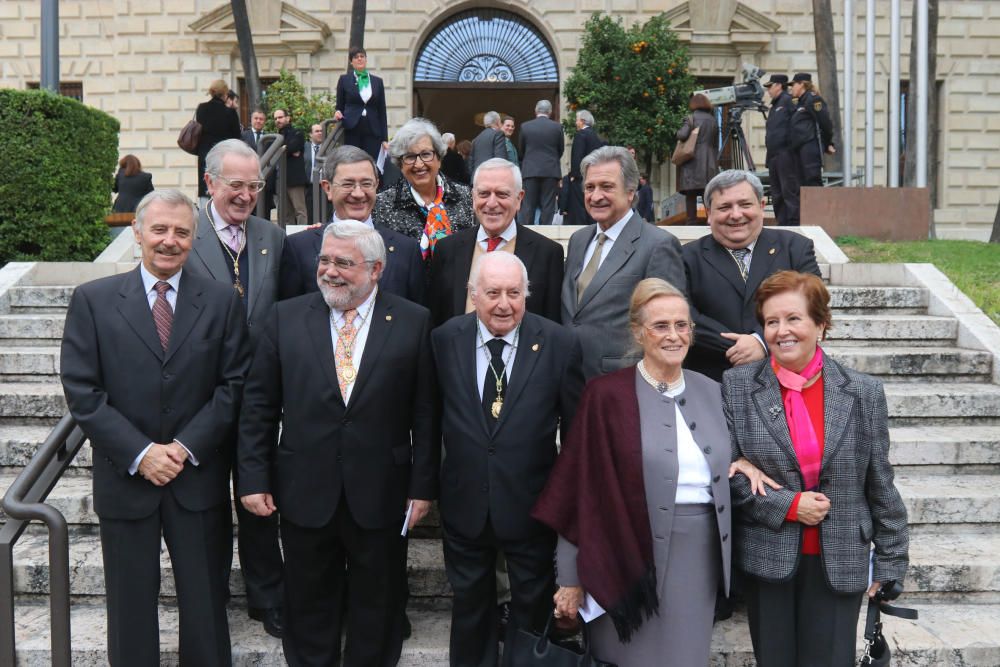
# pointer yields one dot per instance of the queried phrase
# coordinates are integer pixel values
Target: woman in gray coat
(694, 175)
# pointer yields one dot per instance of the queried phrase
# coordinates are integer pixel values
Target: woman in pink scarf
(821, 430)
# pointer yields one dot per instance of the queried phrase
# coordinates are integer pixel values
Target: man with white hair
(541, 145)
(346, 468)
(585, 141)
(500, 444)
(489, 143)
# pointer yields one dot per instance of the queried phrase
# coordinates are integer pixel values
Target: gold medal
(496, 407)
(348, 374)
(238, 286)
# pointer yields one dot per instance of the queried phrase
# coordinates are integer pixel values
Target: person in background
(361, 106)
(131, 184)
(311, 166)
(821, 430)
(541, 144)
(218, 123)
(489, 143)
(644, 199)
(694, 175)
(585, 141)
(782, 159)
(295, 175)
(508, 130)
(810, 130)
(453, 164)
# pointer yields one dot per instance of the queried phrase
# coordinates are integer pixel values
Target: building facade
(149, 64)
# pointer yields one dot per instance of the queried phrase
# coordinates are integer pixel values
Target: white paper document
(590, 610)
(380, 162)
(406, 519)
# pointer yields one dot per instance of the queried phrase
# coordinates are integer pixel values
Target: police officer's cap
(777, 78)
(802, 76)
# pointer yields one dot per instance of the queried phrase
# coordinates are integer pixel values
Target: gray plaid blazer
(865, 506)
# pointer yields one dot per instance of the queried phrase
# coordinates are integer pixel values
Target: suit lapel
(620, 253)
(465, 347)
(720, 259)
(318, 326)
(764, 253)
(208, 249)
(838, 404)
(524, 246)
(530, 342)
(135, 309)
(189, 308)
(258, 262)
(379, 327)
(770, 407)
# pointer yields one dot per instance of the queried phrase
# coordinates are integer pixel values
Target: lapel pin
(534, 348)
(392, 248)
(263, 251)
(771, 251)
(775, 410)
(388, 318)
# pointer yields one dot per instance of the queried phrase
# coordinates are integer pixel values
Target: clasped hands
(162, 462)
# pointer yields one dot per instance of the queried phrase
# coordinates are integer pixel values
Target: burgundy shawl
(596, 499)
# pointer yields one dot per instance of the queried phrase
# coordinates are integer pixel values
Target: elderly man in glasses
(242, 250)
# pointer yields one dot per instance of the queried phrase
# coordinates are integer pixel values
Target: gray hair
(413, 131)
(499, 163)
(586, 117)
(543, 106)
(645, 291)
(619, 154)
(366, 239)
(448, 138)
(501, 258)
(346, 155)
(491, 118)
(213, 161)
(170, 197)
(727, 179)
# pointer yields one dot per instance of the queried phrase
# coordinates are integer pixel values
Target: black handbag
(531, 649)
(877, 651)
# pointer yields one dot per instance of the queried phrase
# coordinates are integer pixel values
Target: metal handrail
(332, 139)
(271, 150)
(24, 502)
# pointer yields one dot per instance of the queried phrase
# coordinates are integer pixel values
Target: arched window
(486, 46)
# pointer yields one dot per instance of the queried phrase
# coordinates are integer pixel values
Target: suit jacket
(350, 104)
(600, 318)
(585, 141)
(403, 274)
(307, 164)
(376, 451)
(541, 145)
(125, 392)
(722, 302)
(489, 143)
(264, 245)
(249, 139)
(131, 190)
(295, 142)
(499, 472)
(452, 262)
(856, 475)
(644, 203)
(218, 122)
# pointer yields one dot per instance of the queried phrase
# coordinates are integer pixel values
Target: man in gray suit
(489, 143)
(541, 146)
(606, 260)
(242, 250)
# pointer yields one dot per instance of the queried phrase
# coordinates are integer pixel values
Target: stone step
(947, 634)
(31, 364)
(31, 400)
(913, 329)
(917, 364)
(860, 299)
(19, 443)
(944, 445)
(31, 328)
(950, 499)
(942, 401)
(40, 298)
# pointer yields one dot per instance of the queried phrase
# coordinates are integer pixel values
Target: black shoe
(272, 618)
(503, 617)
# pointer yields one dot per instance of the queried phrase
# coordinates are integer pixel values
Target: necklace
(349, 372)
(661, 387)
(497, 404)
(237, 285)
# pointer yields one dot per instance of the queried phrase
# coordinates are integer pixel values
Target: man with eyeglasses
(350, 182)
(295, 170)
(244, 251)
(348, 374)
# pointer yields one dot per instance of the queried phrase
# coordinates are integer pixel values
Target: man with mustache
(328, 367)
(244, 251)
(725, 268)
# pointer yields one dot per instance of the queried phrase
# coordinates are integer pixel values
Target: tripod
(736, 141)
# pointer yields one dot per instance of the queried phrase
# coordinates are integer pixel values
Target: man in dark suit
(496, 195)
(489, 143)
(541, 144)
(361, 106)
(153, 364)
(295, 170)
(500, 446)
(252, 137)
(585, 141)
(349, 181)
(310, 163)
(724, 270)
(606, 260)
(346, 468)
(244, 252)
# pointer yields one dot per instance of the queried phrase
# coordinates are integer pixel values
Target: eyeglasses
(347, 187)
(341, 263)
(410, 159)
(680, 327)
(237, 184)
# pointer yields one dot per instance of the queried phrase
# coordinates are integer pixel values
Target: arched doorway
(482, 60)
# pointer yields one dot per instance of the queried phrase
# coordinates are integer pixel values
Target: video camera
(749, 94)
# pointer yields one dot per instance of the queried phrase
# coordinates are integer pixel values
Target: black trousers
(810, 164)
(200, 546)
(801, 622)
(260, 555)
(784, 175)
(315, 560)
(577, 210)
(361, 136)
(539, 192)
(471, 568)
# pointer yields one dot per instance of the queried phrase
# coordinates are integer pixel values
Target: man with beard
(345, 469)
(295, 170)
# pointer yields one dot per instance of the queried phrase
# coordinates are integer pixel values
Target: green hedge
(57, 161)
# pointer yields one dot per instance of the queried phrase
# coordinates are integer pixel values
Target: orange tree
(636, 83)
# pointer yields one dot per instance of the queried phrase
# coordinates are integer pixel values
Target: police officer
(811, 130)
(782, 159)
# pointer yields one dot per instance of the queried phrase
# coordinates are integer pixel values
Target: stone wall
(148, 62)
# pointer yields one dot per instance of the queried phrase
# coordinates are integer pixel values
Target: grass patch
(973, 266)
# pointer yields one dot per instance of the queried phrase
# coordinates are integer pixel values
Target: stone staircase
(944, 407)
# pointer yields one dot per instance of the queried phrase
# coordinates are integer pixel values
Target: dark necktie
(492, 243)
(256, 141)
(490, 395)
(740, 255)
(163, 315)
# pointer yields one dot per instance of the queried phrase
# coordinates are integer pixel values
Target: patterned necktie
(490, 394)
(740, 255)
(234, 238)
(492, 243)
(588, 271)
(163, 314)
(346, 373)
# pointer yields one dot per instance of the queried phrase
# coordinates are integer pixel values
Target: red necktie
(163, 315)
(492, 243)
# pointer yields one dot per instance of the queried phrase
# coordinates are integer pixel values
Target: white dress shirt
(483, 354)
(612, 233)
(506, 235)
(694, 477)
(362, 319)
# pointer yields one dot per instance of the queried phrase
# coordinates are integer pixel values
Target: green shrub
(306, 110)
(58, 158)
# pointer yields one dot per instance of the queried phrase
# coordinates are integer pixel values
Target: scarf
(363, 79)
(437, 226)
(808, 449)
(595, 497)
